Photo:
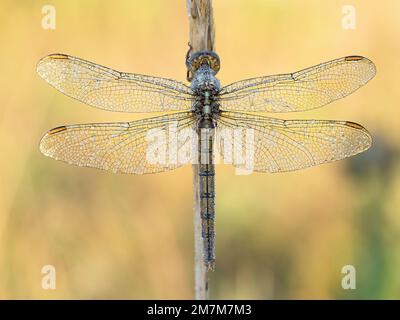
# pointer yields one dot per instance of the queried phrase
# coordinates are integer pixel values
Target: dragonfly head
(201, 58)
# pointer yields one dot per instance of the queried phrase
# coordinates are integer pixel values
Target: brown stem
(201, 34)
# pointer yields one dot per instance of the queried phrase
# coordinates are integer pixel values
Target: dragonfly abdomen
(207, 190)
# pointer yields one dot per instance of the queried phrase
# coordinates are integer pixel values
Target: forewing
(138, 147)
(274, 145)
(112, 90)
(303, 90)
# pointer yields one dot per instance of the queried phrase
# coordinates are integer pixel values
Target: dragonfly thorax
(204, 80)
(206, 88)
(206, 107)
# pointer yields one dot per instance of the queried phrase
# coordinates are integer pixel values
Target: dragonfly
(208, 109)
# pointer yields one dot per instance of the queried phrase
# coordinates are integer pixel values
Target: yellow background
(278, 236)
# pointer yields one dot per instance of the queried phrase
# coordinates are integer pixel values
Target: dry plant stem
(201, 26)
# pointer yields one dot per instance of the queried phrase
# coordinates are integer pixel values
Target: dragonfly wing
(303, 90)
(112, 90)
(138, 147)
(273, 145)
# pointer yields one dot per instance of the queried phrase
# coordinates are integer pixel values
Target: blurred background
(281, 236)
